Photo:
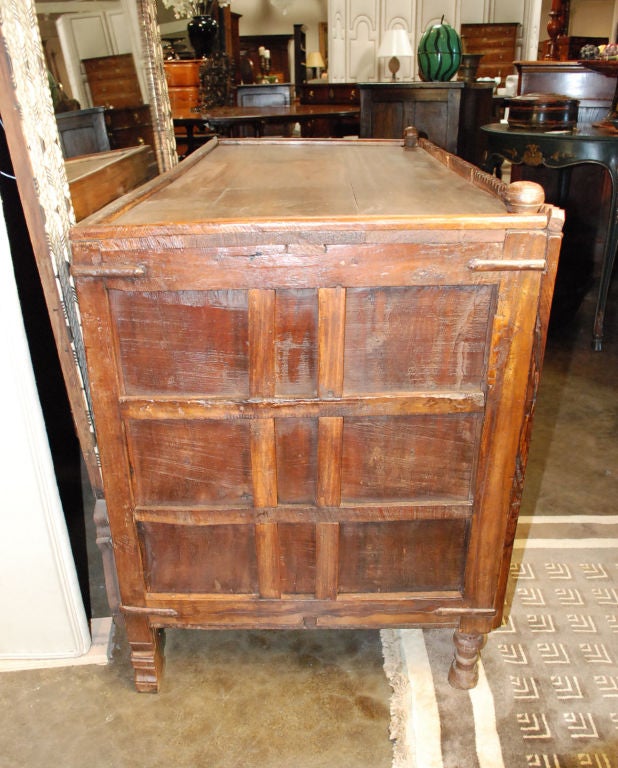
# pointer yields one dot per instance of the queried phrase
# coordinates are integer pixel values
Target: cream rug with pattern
(547, 696)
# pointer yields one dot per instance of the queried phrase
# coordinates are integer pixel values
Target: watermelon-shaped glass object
(439, 52)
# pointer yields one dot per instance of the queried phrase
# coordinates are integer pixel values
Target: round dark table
(586, 144)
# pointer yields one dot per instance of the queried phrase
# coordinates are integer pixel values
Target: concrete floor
(275, 699)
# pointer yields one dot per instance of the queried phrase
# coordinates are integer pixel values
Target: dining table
(251, 120)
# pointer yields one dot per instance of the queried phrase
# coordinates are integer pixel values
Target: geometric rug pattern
(547, 696)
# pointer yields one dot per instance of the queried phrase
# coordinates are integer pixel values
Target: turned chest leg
(464, 672)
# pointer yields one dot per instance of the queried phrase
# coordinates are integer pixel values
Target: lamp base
(393, 66)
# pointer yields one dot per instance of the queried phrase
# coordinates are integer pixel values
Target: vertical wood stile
(327, 556)
(267, 546)
(261, 346)
(263, 450)
(331, 337)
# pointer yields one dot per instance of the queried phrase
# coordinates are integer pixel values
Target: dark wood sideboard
(313, 386)
(449, 114)
(337, 94)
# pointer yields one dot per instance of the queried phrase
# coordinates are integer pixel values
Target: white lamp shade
(314, 59)
(395, 43)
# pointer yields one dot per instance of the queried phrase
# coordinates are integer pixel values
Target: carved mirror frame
(38, 164)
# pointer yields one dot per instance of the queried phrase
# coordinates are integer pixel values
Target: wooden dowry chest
(313, 366)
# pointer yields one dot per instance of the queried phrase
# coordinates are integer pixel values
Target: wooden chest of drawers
(183, 84)
(329, 93)
(129, 126)
(336, 94)
(497, 43)
(312, 387)
(113, 81)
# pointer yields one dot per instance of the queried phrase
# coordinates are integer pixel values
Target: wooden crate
(96, 180)
(312, 385)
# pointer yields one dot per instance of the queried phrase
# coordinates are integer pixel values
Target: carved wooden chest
(313, 366)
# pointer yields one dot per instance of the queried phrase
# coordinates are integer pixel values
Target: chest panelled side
(319, 433)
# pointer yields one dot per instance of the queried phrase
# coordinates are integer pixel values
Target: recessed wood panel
(297, 551)
(183, 341)
(296, 448)
(296, 320)
(409, 457)
(201, 462)
(199, 559)
(417, 337)
(402, 556)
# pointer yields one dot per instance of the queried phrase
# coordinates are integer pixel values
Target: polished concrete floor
(275, 699)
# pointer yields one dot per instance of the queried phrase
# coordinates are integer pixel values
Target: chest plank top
(313, 366)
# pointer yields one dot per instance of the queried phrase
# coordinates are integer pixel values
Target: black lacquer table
(587, 144)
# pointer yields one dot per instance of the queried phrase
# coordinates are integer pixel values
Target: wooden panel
(206, 559)
(402, 556)
(296, 322)
(399, 458)
(199, 462)
(297, 441)
(433, 108)
(297, 552)
(185, 341)
(419, 337)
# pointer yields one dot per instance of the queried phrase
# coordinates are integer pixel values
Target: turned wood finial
(524, 197)
(410, 138)
(555, 28)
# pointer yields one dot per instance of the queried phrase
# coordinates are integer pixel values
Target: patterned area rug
(548, 690)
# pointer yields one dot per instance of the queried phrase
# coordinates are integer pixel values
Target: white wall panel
(398, 14)
(43, 615)
(356, 28)
(508, 10)
(474, 11)
(363, 49)
(336, 42)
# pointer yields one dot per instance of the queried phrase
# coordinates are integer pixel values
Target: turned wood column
(557, 26)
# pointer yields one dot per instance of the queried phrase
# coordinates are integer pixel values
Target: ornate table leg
(464, 673)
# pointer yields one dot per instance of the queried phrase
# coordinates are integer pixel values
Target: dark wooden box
(313, 366)
(542, 112)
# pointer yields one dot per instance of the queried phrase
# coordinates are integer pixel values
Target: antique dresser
(313, 366)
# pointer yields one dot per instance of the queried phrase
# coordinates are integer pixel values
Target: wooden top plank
(306, 180)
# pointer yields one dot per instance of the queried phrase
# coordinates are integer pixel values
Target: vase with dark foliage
(203, 30)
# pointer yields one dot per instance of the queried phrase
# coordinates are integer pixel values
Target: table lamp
(316, 62)
(395, 44)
